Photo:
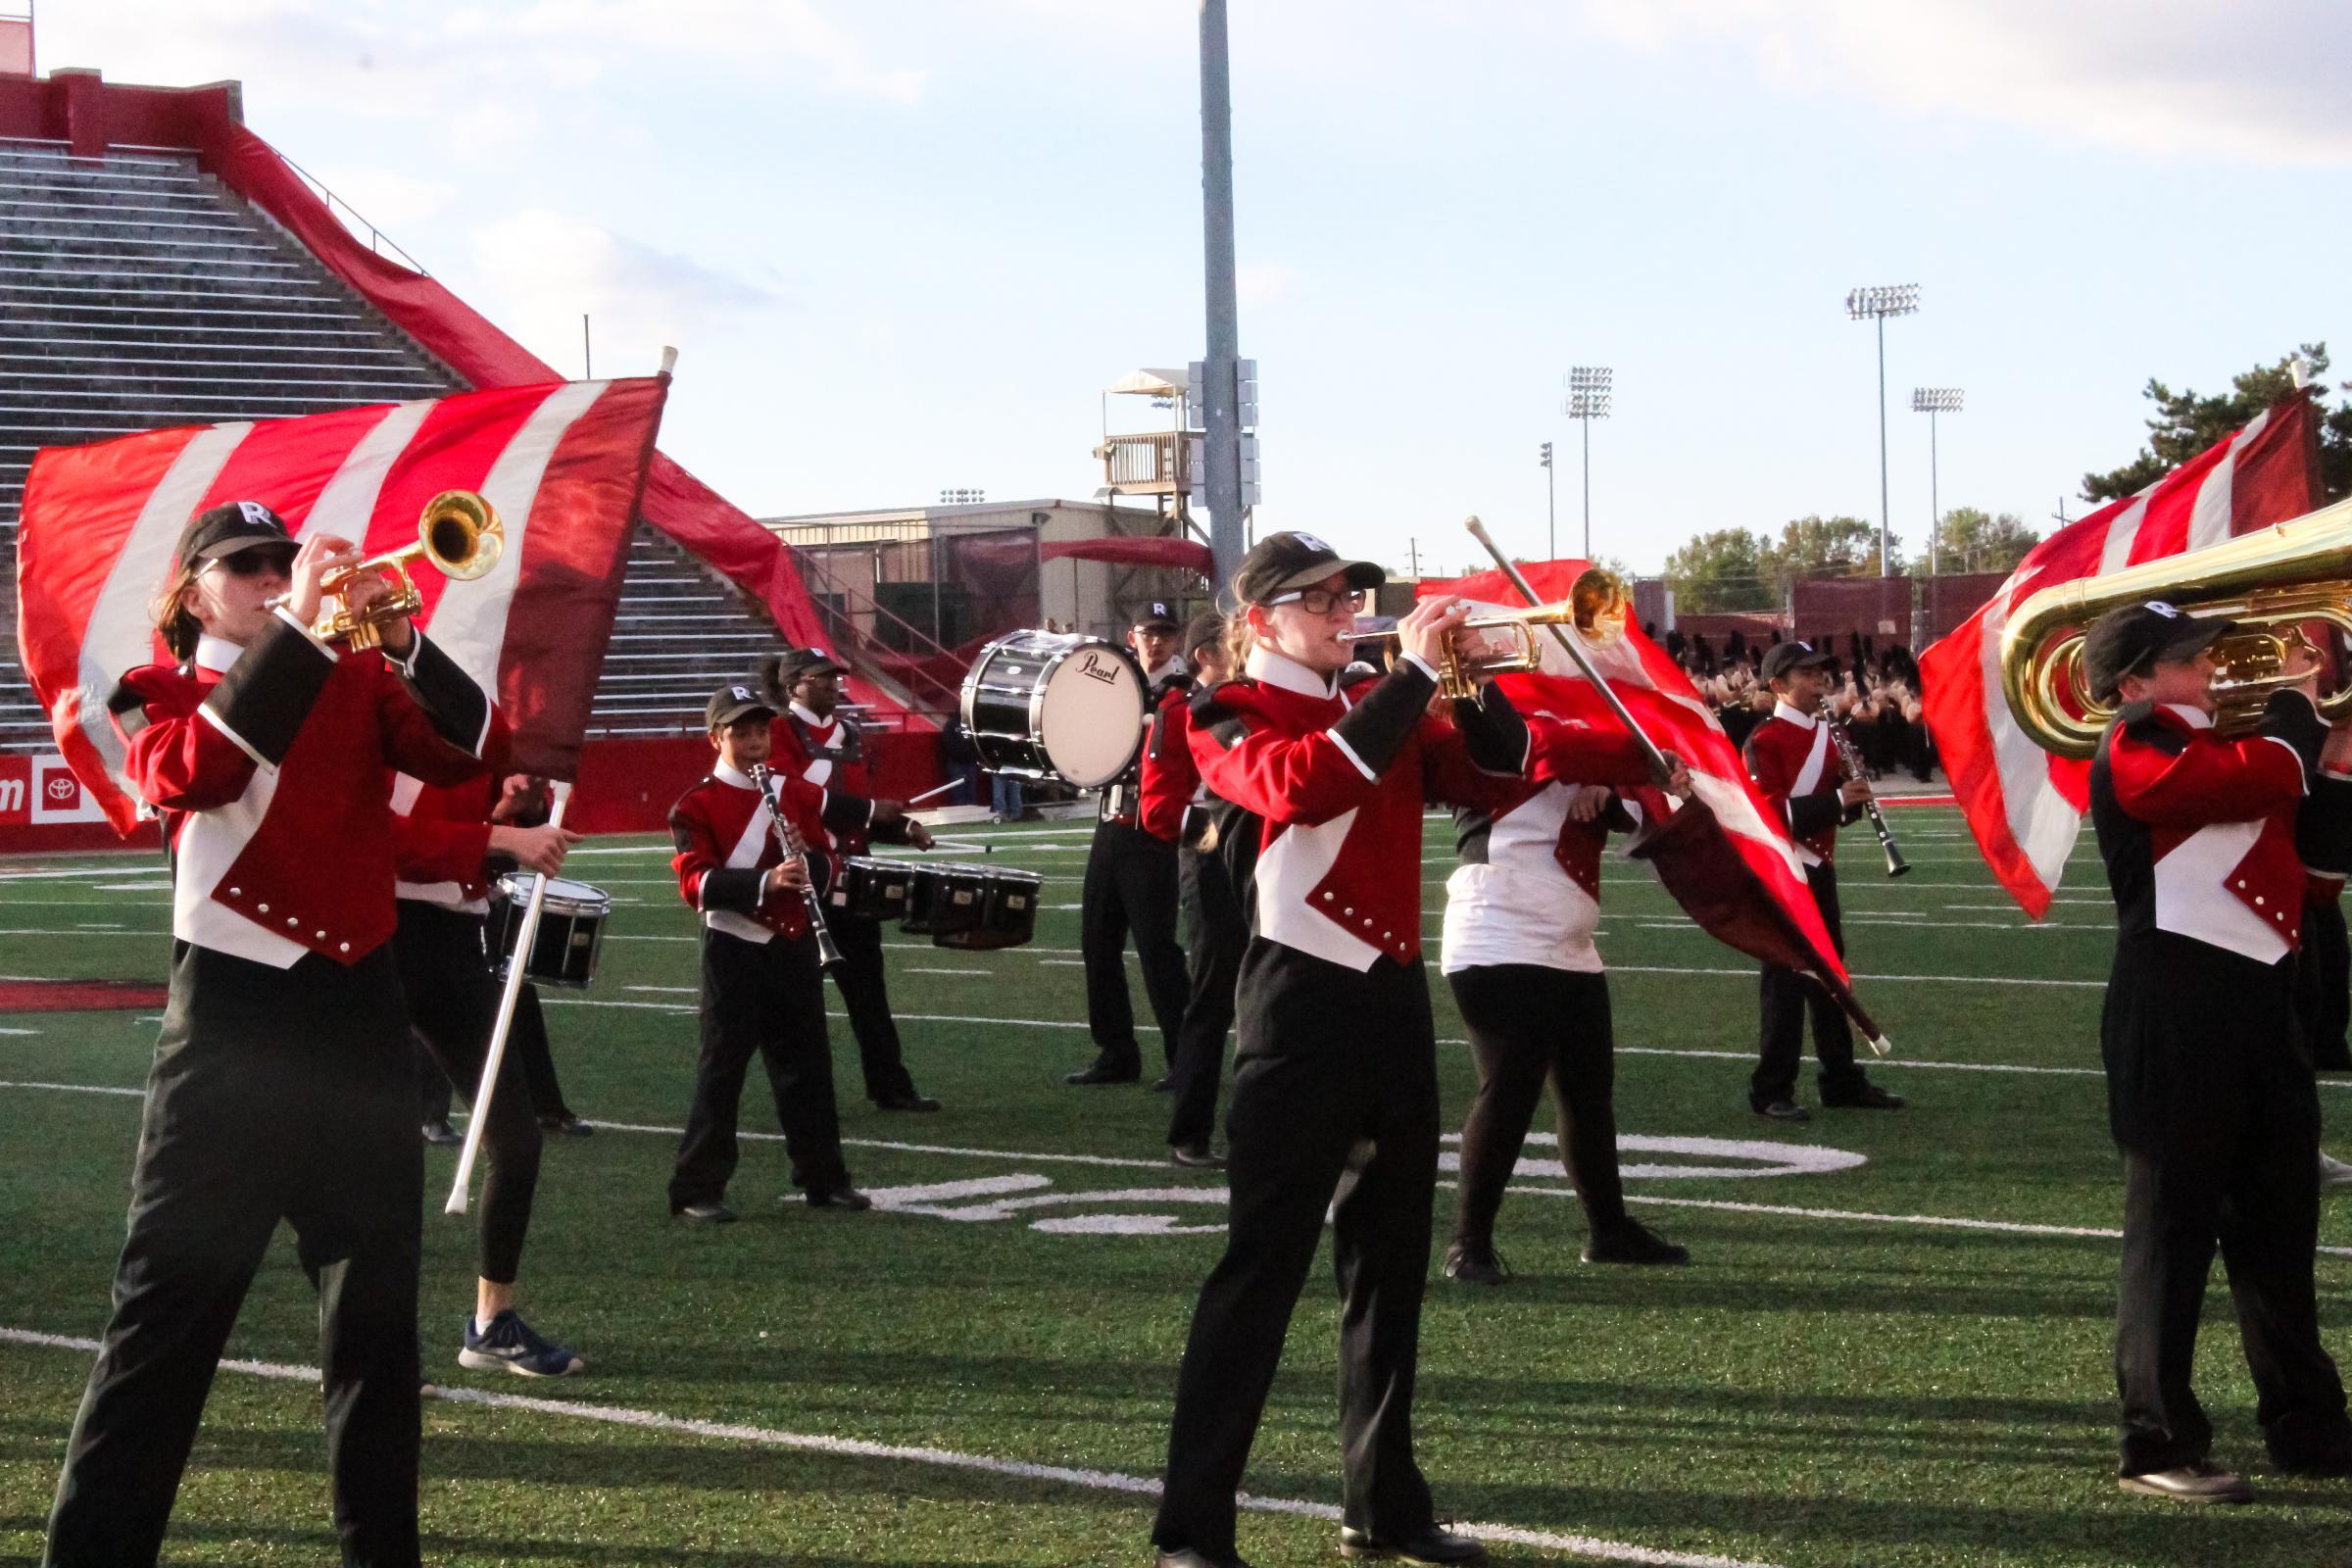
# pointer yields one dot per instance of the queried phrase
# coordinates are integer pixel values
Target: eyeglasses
(252, 563)
(1320, 601)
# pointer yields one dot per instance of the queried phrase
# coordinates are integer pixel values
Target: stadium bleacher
(137, 294)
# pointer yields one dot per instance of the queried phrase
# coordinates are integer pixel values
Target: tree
(1969, 539)
(2188, 424)
(1825, 547)
(1719, 570)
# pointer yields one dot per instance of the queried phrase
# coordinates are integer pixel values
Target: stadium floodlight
(1875, 303)
(1552, 530)
(1589, 398)
(961, 498)
(1932, 401)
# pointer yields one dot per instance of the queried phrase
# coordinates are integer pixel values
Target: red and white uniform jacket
(1528, 890)
(2199, 832)
(1796, 768)
(441, 842)
(727, 842)
(272, 769)
(1338, 775)
(830, 754)
(1171, 779)
(1123, 799)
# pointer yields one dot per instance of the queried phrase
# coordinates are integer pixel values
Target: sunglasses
(252, 563)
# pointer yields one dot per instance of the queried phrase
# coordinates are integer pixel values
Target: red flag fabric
(2024, 805)
(561, 464)
(1722, 855)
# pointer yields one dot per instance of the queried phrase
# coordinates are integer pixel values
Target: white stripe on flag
(2209, 519)
(118, 635)
(347, 505)
(470, 623)
(2123, 531)
(2039, 818)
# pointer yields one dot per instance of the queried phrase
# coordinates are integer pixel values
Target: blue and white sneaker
(508, 1344)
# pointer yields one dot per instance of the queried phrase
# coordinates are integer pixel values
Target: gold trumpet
(1509, 642)
(2272, 584)
(459, 533)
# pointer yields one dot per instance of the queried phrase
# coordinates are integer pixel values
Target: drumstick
(526, 934)
(942, 790)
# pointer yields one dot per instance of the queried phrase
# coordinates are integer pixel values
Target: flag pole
(526, 935)
(1659, 764)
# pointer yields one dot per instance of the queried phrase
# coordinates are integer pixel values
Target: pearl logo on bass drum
(1094, 668)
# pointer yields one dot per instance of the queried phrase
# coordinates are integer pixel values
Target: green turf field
(1898, 1361)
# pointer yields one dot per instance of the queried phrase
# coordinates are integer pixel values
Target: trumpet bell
(462, 534)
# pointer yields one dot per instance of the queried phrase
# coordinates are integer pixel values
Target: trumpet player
(762, 992)
(2209, 1096)
(1801, 775)
(283, 1085)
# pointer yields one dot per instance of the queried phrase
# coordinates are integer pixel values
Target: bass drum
(1055, 706)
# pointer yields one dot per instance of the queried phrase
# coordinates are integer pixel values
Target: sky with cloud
(902, 244)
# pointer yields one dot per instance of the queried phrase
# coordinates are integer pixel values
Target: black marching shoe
(1632, 1242)
(1195, 1156)
(1476, 1263)
(712, 1212)
(1187, 1557)
(1869, 1097)
(1105, 1071)
(846, 1197)
(1781, 1109)
(1432, 1545)
(441, 1134)
(912, 1099)
(1164, 1084)
(2198, 1481)
(565, 1124)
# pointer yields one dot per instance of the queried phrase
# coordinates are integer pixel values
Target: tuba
(2272, 584)
(459, 533)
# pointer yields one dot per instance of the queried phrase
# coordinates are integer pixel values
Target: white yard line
(935, 1458)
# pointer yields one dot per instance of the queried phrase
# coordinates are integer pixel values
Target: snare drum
(1007, 913)
(871, 889)
(572, 929)
(1055, 706)
(944, 898)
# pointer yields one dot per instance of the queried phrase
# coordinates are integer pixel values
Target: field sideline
(1891, 1346)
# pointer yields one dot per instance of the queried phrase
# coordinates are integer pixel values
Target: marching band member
(1336, 1046)
(284, 1084)
(2209, 1096)
(1130, 883)
(444, 839)
(1802, 779)
(762, 992)
(1216, 929)
(813, 741)
(1520, 913)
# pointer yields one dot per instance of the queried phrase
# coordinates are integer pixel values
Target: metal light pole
(1932, 401)
(1589, 398)
(1551, 490)
(1875, 304)
(1221, 420)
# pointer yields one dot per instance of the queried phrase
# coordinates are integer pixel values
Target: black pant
(526, 1049)
(1788, 998)
(275, 1094)
(1327, 1059)
(1527, 1024)
(452, 1002)
(766, 998)
(1216, 933)
(2323, 983)
(2215, 1111)
(1131, 887)
(865, 996)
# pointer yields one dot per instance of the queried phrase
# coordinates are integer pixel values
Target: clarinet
(1896, 865)
(827, 953)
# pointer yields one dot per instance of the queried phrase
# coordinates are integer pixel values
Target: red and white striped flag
(1724, 855)
(563, 464)
(2024, 805)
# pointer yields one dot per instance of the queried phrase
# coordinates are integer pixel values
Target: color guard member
(2209, 1094)
(762, 992)
(1337, 1049)
(1130, 886)
(445, 841)
(284, 1084)
(1797, 770)
(816, 742)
